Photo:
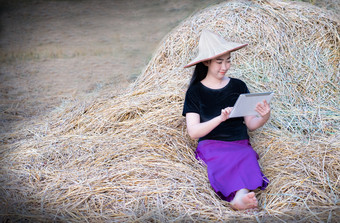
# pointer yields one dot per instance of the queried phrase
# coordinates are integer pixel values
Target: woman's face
(219, 66)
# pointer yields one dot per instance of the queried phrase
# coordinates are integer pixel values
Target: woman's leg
(244, 200)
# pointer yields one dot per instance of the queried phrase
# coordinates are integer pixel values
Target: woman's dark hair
(199, 74)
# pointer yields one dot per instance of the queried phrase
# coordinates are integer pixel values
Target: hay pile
(129, 158)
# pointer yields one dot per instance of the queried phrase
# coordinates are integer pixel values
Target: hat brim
(199, 60)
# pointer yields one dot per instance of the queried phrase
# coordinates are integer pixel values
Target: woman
(223, 142)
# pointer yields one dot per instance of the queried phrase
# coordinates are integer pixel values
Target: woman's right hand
(225, 113)
(197, 129)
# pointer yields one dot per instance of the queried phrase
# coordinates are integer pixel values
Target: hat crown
(212, 45)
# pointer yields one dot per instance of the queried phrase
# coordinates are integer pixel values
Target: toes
(251, 195)
(248, 201)
(253, 200)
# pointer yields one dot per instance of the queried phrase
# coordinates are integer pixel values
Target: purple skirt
(231, 166)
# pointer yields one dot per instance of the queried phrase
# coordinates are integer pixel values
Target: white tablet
(246, 103)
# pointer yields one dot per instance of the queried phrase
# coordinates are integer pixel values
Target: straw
(128, 157)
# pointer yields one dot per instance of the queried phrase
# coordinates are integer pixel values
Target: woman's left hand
(263, 109)
(254, 122)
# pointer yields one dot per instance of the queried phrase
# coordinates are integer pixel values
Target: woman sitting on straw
(223, 144)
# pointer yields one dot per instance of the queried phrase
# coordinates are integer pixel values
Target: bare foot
(244, 201)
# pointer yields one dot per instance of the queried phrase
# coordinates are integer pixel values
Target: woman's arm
(196, 129)
(255, 122)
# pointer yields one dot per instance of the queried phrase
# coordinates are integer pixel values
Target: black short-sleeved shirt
(208, 103)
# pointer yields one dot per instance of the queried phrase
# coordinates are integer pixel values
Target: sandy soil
(53, 52)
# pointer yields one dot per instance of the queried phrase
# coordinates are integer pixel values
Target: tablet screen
(246, 103)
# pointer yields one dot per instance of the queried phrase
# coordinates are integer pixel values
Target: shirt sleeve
(243, 87)
(191, 102)
(246, 89)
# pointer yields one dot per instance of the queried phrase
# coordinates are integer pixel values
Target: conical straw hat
(211, 46)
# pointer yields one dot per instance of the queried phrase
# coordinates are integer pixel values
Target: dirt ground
(53, 52)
